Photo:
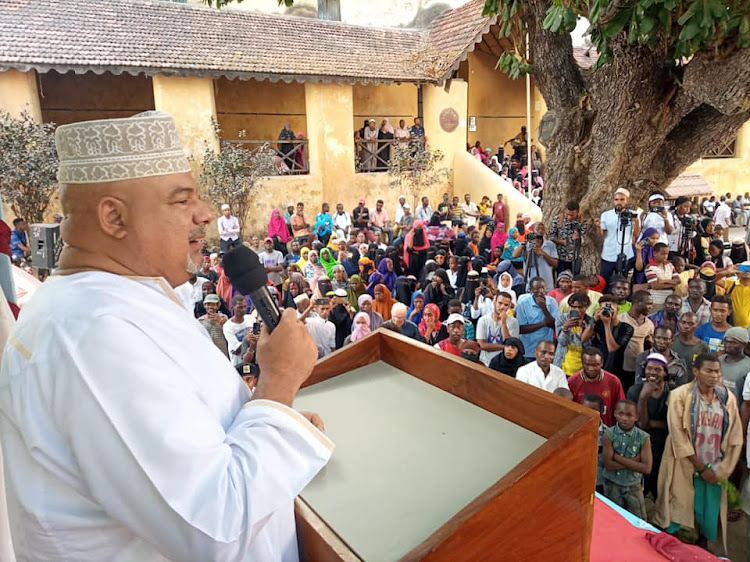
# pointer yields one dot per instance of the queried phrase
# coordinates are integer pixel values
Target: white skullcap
(623, 191)
(225, 206)
(108, 150)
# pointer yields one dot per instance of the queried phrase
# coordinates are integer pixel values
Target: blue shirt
(17, 237)
(417, 130)
(713, 338)
(528, 312)
(325, 222)
(611, 246)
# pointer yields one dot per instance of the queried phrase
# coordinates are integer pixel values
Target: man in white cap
(127, 433)
(229, 229)
(455, 327)
(613, 225)
(657, 217)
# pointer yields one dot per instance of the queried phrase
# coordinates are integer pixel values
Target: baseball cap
(454, 318)
(361, 200)
(657, 358)
(737, 333)
(267, 239)
(211, 298)
(623, 191)
(744, 267)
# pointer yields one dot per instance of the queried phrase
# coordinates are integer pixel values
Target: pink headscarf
(499, 237)
(410, 236)
(277, 227)
(358, 330)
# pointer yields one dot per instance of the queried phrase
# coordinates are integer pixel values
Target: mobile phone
(574, 314)
(256, 328)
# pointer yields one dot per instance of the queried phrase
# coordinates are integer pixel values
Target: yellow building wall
(18, 92)
(378, 101)
(498, 102)
(728, 175)
(69, 98)
(191, 102)
(260, 108)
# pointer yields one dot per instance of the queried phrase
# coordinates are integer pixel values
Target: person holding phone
(574, 330)
(238, 330)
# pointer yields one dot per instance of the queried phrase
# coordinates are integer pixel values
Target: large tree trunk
(633, 123)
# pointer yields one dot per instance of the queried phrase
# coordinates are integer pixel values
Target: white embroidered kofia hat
(141, 146)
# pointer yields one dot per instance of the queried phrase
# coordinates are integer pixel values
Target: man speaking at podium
(127, 434)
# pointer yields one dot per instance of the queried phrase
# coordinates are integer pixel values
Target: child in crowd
(595, 402)
(685, 275)
(627, 457)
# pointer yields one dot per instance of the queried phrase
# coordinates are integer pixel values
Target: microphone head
(244, 270)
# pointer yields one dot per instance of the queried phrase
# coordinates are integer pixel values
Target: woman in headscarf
(644, 251)
(385, 267)
(511, 244)
(375, 279)
(322, 288)
(383, 301)
(485, 244)
(497, 257)
(340, 280)
(702, 239)
(499, 237)
(431, 327)
(341, 318)
(716, 256)
(302, 261)
(461, 247)
(707, 273)
(294, 287)
(328, 262)
(366, 266)
(439, 292)
(312, 268)
(393, 254)
(510, 359)
(429, 268)
(351, 261)
(414, 314)
(415, 248)
(505, 285)
(356, 289)
(278, 231)
(518, 281)
(299, 156)
(360, 326)
(365, 305)
(403, 290)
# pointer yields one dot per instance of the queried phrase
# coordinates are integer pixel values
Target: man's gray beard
(191, 267)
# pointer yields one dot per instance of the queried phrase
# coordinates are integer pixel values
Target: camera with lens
(629, 214)
(688, 221)
(607, 310)
(483, 291)
(658, 210)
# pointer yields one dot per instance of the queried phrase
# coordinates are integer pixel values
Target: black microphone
(247, 274)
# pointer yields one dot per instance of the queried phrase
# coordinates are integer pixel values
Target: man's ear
(113, 213)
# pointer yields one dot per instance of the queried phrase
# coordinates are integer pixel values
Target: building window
(329, 10)
(722, 150)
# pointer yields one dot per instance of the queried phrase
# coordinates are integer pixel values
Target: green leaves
(513, 65)
(561, 18)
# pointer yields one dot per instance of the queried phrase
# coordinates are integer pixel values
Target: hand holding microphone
(286, 351)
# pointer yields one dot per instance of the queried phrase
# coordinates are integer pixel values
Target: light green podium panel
(408, 457)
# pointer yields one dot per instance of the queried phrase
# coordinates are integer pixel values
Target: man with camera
(619, 228)
(657, 217)
(540, 256)
(683, 229)
(610, 335)
(567, 233)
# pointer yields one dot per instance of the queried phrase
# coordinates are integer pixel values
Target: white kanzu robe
(127, 435)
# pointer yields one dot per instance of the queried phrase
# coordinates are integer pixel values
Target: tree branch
(556, 72)
(723, 84)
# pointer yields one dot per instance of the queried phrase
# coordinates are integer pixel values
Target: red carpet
(615, 539)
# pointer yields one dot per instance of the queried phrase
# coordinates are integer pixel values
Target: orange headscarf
(383, 307)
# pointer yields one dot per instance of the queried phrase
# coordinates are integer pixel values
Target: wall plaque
(448, 120)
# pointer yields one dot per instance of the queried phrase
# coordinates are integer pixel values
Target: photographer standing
(619, 229)
(567, 233)
(540, 256)
(657, 217)
(682, 229)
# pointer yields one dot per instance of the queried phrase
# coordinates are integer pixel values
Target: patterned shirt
(564, 231)
(626, 444)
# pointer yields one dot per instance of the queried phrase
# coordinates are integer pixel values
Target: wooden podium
(439, 458)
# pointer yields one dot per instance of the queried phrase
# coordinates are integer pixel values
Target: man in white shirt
(679, 236)
(424, 211)
(139, 393)
(273, 262)
(238, 330)
(229, 229)
(609, 225)
(723, 217)
(542, 373)
(657, 217)
(470, 210)
(342, 222)
(321, 329)
(494, 328)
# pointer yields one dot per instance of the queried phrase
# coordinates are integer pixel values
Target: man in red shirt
(455, 327)
(595, 380)
(500, 211)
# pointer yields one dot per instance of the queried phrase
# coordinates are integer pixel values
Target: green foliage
(679, 28)
(513, 65)
(234, 173)
(28, 165)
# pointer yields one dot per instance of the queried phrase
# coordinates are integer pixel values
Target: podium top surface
(408, 457)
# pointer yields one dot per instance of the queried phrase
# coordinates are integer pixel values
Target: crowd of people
(373, 143)
(656, 341)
